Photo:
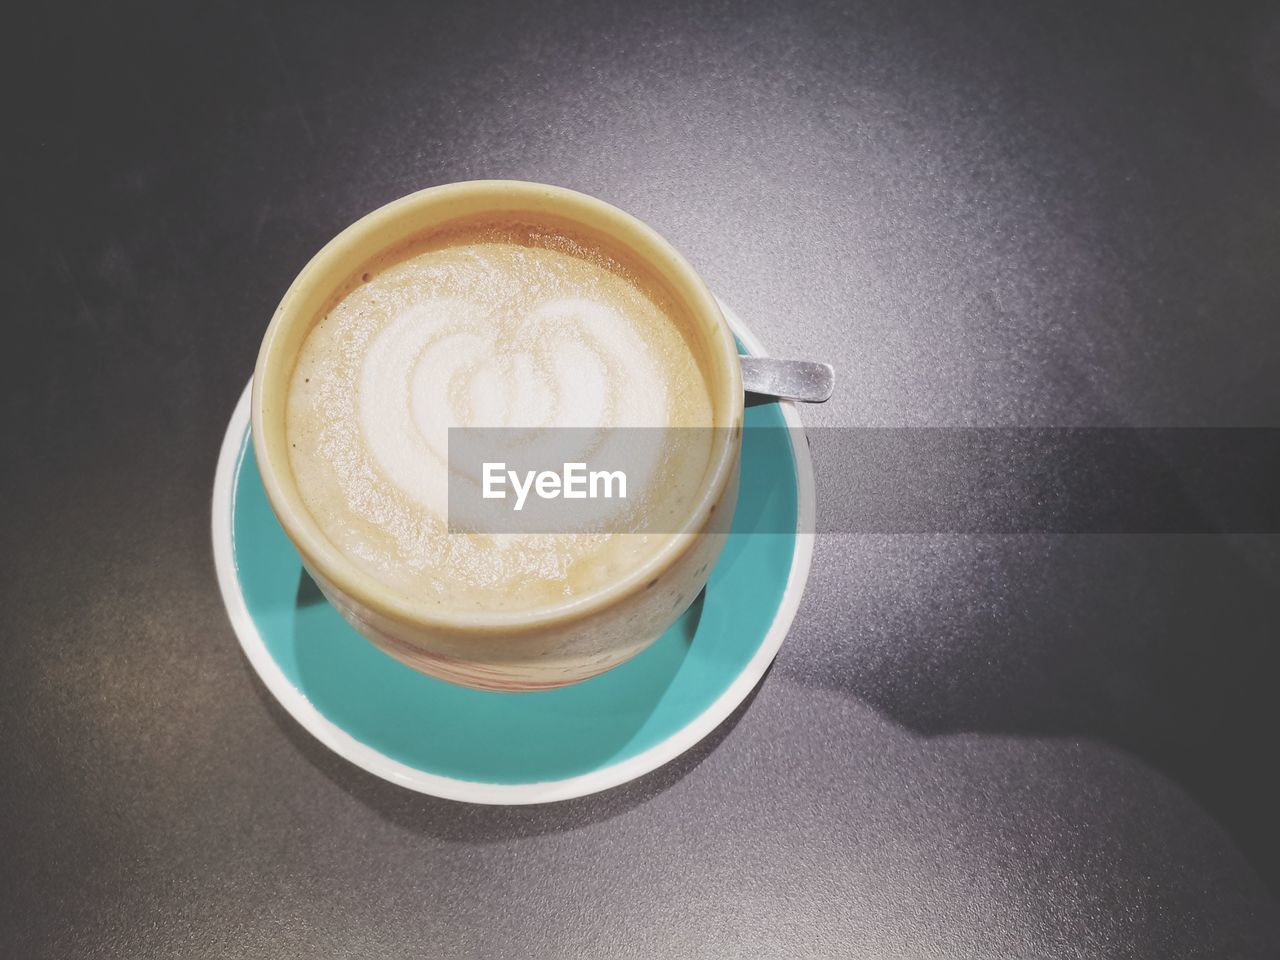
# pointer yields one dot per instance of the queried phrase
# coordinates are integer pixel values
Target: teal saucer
(486, 747)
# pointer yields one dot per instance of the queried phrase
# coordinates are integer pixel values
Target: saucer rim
(234, 444)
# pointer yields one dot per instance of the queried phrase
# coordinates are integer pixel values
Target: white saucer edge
(377, 763)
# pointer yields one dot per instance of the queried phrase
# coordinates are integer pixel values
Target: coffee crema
(488, 324)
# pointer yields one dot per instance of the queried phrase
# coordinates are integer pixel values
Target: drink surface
(492, 325)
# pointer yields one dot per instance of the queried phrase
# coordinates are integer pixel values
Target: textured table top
(970, 745)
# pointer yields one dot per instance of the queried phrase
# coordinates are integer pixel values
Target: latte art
(490, 327)
(571, 363)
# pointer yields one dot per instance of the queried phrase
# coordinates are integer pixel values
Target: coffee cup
(354, 377)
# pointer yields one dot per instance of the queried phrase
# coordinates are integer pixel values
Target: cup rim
(324, 558)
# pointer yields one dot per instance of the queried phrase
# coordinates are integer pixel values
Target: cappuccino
(492, 323)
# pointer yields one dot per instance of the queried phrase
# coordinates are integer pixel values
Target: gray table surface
(970, 746)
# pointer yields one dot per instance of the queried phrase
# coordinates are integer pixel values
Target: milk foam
(491, 330)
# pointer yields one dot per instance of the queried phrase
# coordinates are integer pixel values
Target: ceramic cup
(550, 647)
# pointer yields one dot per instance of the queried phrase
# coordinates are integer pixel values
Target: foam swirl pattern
(488, 331)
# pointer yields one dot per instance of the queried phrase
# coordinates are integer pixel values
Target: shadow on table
(457, 821)
(1166, 647)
